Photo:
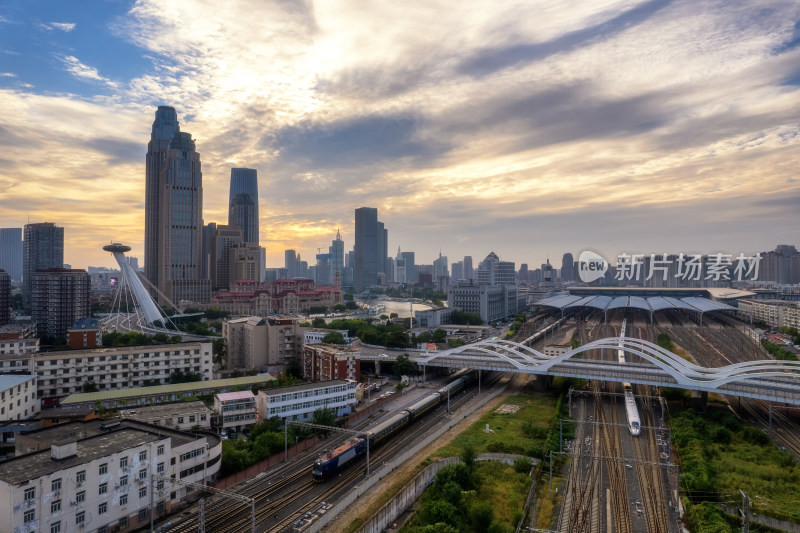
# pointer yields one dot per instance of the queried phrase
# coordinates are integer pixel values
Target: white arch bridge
(777, 381)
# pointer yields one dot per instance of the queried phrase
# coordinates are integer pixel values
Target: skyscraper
(164, 129)
(290, 263)
(59, 297)
(567, 267)
(223, 240)
(243, 203)
(5, 297)
(174, 212)
(43, 248)
(370, 248)
(337, 256)
(469, 273)
(11, 252)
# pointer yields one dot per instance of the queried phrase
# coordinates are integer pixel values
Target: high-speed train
(634, 423)
(328, 464)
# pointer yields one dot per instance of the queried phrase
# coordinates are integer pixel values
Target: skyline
(648, 126)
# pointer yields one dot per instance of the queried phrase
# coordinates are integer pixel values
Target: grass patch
(524, 432)
(720, 454)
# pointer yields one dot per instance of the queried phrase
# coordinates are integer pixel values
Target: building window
(102, 508)
(80, 477)
(123, 500)
(159, 485)
(123, 481)
(30, 494)
(143, 455)
(28, 516)
(142, 474)
(55, 527)
(103, 469)
(55, 506)
(160, 468)
(80, 497)
(55, 484)
(180, 420)
(160, 449)
(102, 488)
(143, 492)
(80, 517)
(142, 515)
(123, 462)
(123, 522)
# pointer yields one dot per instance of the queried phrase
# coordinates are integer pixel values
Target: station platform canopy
(650, 304)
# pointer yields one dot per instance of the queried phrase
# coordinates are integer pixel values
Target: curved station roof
(651, 304)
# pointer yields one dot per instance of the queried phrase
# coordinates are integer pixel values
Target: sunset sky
(528, 128)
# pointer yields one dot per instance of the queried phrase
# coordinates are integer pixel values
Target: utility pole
(201, 516)
(745, 512)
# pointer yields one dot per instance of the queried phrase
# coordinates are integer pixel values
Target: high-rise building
(457, 271)
(567, 267)
(469, 273)
(336, 250)
(174, 212)
(11, 252)
(290, 263)
(244, 262)
(59, 297)
(5, 297)
(322, 270)
(371, 241)
(43, 248)
(412, 273)
(206, 256)
(224, 239)
(243, 203)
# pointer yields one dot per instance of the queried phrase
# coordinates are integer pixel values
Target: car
(383, 356)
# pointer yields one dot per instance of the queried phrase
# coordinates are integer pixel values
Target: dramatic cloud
(527, 128)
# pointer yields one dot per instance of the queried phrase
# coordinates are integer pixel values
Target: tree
(219, 349)
(440, 511)
(393, 315)
(468, 457)
(294, 368)
(455, 343)
(319, 322)
(90, 386)
(212, 313)
(404, 366)
(334, 337)
(339, 308)
(481, 515)
(397, 339)
(324, 417)
(317, 309)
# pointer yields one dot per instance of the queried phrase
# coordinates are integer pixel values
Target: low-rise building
(99, 475)
(431, 318)
(325, 362)
(237, 410)
(143, 396)
(554, 350)
(17, 339)
(181, 415)
(491, 302)
(775, 313)
(266, 344)
(299, 402)
(84, 334)
(283, 296)
(18, 399)
(67, 372)
(315, 336)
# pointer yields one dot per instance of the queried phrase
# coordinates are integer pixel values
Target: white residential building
(237, 409)
(102, 480)
(315, 336)
(299, 402)
(18, 399)
(63, 373)
(775, 313)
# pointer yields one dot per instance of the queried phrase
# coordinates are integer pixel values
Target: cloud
(79, 70)
(7, 75)
(63, 26)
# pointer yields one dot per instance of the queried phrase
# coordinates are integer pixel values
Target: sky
(527, 128)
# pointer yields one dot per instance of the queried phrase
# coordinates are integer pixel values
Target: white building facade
(18, 399)
(300, 402)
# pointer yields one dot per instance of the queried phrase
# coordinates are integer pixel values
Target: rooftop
(305, 386)
(195, 386)
(154, 411)
(8, 381)
(34, 465)
(238, 395)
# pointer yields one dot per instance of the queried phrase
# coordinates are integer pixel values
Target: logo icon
(591, 266)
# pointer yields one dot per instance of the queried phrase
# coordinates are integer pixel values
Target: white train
(634, 423)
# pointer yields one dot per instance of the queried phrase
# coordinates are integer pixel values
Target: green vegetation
(793, 333)
(519, 320)
(778, 352)
(114, 338)
(317, 309)
(455, 343)
(323, 417)
(294, 368)
(334, 337)
(404, 366)
(437, 336)
(389, 335)
(531, 431)
(460, 317)
(484, 497)
(266, 439)
(664, 341)
(720, 455)
(179, 376)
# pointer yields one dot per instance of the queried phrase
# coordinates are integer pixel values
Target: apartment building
(299, 402)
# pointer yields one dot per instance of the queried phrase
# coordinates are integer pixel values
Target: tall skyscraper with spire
(243, 203)
(337, 255)
(174, 212)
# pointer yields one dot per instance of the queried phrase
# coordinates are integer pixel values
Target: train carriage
(332, 461)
